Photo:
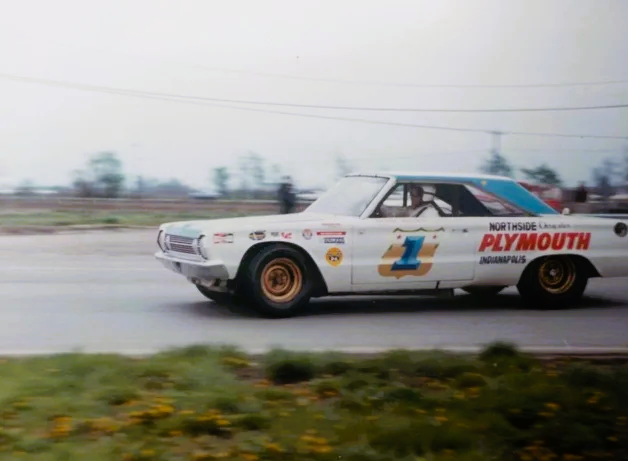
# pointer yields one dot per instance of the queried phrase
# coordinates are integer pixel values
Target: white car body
(362, 254)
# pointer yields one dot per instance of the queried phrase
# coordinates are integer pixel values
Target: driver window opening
(418, 200)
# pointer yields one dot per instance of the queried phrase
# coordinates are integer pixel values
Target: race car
(479, 233)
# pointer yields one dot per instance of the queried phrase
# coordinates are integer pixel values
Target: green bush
(291, 371)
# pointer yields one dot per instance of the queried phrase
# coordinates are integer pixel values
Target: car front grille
(183, 245)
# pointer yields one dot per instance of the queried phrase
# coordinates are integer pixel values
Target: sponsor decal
(535, 241)
(409, 255)
(334, 240)
(257, 235)
(517, 226)
(510, 259)
(551, 225)
(621, 229)
(222, 237)
(334, 256)
(307, 234)
(286, 235)
(331, 233)
(274, 234)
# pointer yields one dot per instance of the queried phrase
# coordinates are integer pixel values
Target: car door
(413, 253)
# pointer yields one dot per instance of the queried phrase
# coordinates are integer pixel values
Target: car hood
(249, 223)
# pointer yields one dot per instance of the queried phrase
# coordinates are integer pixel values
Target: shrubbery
(202, 404)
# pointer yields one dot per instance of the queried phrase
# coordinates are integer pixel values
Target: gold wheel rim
(557, 275)
(281, 280)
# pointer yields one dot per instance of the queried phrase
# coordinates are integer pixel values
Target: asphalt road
(104, 291)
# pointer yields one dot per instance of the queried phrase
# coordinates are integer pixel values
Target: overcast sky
(189, 47)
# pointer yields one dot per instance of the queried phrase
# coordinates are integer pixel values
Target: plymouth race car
(399, 234)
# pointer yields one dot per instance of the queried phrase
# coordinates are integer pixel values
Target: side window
(494, 205)
(396, 197)
(415, 200)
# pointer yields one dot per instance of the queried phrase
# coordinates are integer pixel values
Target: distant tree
(604, 175)
(252, 172)
(25, 188)
(343, 167)
(82, 184)
(497, 164)
(106, 171)
(542, 174)
(221, 179)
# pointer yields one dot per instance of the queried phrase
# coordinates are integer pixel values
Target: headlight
(161, 240)
(201, 247)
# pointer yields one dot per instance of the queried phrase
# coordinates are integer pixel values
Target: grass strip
(128, 218)
(201, 403)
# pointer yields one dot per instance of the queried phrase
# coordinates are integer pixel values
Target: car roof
(432, 176)
(501, 186)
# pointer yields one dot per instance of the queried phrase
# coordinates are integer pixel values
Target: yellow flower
(321, 449)
(147, 452)
(552, 406)
(249, 456)
(273, 447)
(441, 419)
(222, 422)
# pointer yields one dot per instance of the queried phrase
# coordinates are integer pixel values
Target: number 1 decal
(409, 261)
(413, 257)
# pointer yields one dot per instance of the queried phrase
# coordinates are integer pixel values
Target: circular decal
(307, 234)
(334, 256)
(257, 235)
(621, 229)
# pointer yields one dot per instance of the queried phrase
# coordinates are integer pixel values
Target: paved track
(103, 291)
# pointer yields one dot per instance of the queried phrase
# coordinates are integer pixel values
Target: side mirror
(566, 211)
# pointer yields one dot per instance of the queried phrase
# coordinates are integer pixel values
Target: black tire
(295, 276)
(484, 291)
(223, 299)
(553, 282)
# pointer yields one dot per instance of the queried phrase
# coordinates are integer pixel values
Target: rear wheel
(553, 282)
(279, 281)
(484, 291)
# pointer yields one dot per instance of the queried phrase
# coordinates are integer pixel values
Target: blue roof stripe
(505, 188)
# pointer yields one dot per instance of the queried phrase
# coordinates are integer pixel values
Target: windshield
(349, 197)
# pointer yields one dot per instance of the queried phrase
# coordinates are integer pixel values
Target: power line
(404, 85)
(174, 98)
(331, 107)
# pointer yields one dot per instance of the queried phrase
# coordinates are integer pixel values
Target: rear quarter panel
(507, 246)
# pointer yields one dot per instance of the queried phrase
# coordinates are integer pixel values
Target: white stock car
(476, 232)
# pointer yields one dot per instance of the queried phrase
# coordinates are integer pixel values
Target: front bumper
(211, 274)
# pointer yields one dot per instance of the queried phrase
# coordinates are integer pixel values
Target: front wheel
(279, 281)
(553, 282)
